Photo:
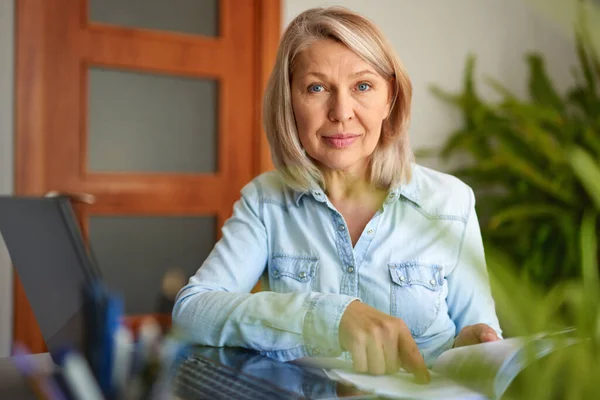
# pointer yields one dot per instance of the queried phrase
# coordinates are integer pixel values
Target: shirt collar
(409, 190)
(316, 192)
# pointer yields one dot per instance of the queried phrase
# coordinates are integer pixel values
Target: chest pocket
(292, 274)
(416, 294)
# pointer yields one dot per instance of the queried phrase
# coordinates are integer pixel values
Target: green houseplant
(526, 307)
(531, 198)
(535, 165)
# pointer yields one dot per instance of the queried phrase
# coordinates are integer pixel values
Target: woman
(361, 252)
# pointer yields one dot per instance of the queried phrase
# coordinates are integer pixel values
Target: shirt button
(370, 232)
(275, 273)
(302, 274)
(316, 352)
(402, 278)
(350, 270)
(341, 228)
(432, 281)
(392, 195)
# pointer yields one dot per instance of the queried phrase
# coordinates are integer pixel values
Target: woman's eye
(363, 87)
(316, 88)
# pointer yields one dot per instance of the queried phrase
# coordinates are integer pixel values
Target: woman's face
(339, 103)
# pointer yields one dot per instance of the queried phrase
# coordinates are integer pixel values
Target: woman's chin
(345, 165)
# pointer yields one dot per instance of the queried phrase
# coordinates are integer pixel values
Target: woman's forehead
(327, 57)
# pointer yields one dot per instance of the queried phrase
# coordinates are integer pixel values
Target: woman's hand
(380, 343)
(475, 334)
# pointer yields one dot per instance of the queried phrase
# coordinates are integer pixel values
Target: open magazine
(482, 371)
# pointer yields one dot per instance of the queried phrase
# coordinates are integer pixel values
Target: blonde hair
(390, 163)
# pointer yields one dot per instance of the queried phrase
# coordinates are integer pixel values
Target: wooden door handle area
(85, 198)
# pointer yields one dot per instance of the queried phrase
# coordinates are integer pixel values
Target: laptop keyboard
(201, 378)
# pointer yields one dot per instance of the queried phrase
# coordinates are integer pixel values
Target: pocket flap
(301, 269)
(415, 273)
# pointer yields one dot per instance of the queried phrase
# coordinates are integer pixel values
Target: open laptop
(51, 260)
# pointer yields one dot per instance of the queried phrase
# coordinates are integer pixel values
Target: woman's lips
(340, 141)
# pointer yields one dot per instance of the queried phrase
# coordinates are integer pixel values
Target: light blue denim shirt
(420, 258)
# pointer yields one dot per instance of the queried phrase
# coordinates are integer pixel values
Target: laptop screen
(50, 258)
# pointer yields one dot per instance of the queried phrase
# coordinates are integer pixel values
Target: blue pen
(101, 323)
(93, 316)
(109, 329)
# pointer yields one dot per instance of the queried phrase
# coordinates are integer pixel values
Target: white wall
(564, 12)
(433, 38)
(6, 156)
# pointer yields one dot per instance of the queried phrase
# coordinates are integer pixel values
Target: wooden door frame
(30, 75)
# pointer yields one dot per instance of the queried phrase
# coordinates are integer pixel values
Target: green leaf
(524, 169)
(533, 113)
(588, 102)
(542, 141)
(569, 227)
(585, 63)
(503, 280)
(459, 140)
(584, 38)
(446, 96)
(589, 257)
(541, 89)
(588, 171)
(527, 139)
(591, 139)
(468, 82)
(467, 140)
(501, 89)
(547, 385)
(524, 212)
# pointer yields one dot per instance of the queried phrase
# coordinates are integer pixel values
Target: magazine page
(490, 367)
(402, 385)
(479, 365)
(481, 371)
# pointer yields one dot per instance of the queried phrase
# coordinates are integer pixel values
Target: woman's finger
(376, 358)
(359, 357)
(411, 358)
(486, 334)
(390, 352)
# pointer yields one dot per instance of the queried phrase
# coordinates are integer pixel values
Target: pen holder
(111, 365)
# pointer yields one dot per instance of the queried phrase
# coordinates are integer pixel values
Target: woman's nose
(341, 107)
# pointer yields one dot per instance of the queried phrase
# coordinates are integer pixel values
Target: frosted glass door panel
(135, 253)
(140, 122)
(197, 17)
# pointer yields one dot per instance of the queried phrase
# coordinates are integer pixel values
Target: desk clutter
(112, 364)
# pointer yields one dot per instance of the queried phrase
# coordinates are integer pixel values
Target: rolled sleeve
(322, 323)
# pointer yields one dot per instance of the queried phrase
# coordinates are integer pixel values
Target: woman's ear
(391, 83)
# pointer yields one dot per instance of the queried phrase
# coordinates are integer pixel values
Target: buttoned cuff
(322, 323)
